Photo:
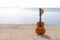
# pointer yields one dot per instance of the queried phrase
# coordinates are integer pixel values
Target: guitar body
(40, 25)
(40, 28)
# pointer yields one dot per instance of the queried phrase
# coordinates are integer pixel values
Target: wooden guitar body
(40, 25)
(40, 28)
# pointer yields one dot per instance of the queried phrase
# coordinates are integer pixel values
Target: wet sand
(27, 32)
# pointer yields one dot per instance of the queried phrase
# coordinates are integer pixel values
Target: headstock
(41, 11)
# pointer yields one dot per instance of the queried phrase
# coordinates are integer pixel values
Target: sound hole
(40, 25)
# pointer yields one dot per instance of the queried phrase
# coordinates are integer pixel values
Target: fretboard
(40, 18)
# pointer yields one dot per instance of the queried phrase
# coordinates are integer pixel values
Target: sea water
(29, 15)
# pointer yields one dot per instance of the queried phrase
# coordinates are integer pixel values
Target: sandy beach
(27, 32)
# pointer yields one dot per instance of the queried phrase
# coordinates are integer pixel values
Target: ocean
(29, 15)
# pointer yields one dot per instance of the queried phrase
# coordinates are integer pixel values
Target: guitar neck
(40, 17)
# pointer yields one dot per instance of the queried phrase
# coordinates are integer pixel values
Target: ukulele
(40, 25)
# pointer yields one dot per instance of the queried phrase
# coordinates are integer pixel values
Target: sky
(30, 3)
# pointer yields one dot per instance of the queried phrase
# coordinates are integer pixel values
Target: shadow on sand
(46, 37)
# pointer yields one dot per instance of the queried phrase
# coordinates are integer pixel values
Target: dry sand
(27, 32)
